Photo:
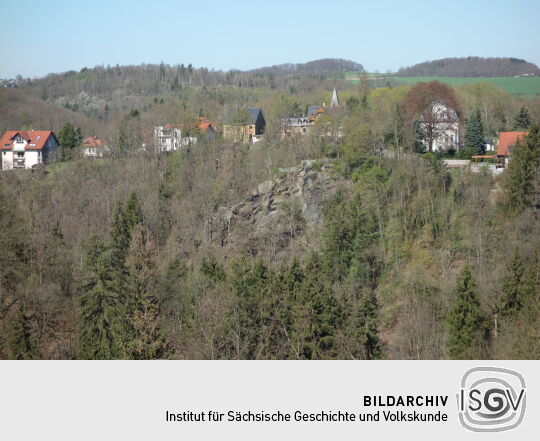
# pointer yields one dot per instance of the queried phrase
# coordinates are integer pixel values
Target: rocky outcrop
(280, 212)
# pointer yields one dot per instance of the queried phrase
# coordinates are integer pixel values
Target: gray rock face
(278, 214)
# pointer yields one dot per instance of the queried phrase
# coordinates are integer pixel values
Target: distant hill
(317, 66)
(18, 110)
(471, 67)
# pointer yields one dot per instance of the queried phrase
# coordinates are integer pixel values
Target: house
(244, 124)
(440, 126)
(170, 137)
(301, 125)
(27, 148)
(94, 147)
(507, 140)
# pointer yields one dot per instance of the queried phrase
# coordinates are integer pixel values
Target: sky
(41, 37)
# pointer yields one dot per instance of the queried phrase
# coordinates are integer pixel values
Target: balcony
(19, 163)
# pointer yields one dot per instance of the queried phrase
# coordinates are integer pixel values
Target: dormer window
(19, 138)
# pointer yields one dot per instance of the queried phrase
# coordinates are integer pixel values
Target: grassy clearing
(516, 86)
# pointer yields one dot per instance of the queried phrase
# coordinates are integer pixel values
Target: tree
(147, 341)
(21, 342)
(474, 134)
(69, 138)
(432, 104)
(522, 172)
(466, 320)
(522, 120)
(97, 315)
(364, 334)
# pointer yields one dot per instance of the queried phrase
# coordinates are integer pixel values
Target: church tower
(335, 99)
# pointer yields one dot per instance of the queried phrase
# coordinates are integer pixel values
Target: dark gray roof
(242, 115)
(312, 110)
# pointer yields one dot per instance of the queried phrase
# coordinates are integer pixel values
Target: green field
(516, 86)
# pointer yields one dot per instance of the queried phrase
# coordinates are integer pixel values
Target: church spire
(335, 100)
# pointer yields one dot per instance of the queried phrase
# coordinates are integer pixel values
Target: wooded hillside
(471, 67)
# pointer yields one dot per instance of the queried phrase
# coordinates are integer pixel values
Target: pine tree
(69, 138)
(466, 320)
(364, 333)
(522, 120)
(133, 214)
(146, 341)
(318, 316)
(21, 343)
(474, 134)
(97, 313)
(521, 173)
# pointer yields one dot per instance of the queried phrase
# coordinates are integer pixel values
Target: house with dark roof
(27, 148)
(244, 124)
(508, 140)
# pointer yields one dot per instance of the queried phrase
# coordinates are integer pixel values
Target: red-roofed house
(507, 140)
(94, 147)
(27, 148)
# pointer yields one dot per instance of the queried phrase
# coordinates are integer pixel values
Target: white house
(441, 124)
(170, 137)
(94, 147)
(27, 148)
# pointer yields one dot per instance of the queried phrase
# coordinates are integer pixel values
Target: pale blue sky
(39, 37)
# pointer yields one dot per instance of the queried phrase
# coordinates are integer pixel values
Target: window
(20, 154)
(18, 138)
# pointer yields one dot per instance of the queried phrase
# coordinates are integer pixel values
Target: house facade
(508, 140)
(245, 124)
(25, 149)
(441, 126)
(94, 147)
(299, 126)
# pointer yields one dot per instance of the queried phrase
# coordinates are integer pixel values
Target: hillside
(471, 67)
(18, 110)
(324, 65)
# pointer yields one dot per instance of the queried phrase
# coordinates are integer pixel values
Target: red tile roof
(508, 140)
(203, 124)
(36, 139)
(93, 141)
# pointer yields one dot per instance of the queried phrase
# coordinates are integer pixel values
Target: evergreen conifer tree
(364, 333)
(21, 342)
(474, 134)
(523, 168)
(522, 120)
(466, 320)
(69, 138)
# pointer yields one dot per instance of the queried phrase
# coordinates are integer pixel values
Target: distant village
(28, 149)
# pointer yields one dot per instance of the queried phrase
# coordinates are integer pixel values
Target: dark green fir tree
(466, 320)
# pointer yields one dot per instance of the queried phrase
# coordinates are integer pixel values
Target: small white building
(27, 148)
(170, 137)
(94, 147)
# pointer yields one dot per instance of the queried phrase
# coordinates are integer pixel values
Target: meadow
(515, 86)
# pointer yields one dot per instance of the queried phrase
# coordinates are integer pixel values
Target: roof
(93, 141)
(204, 124)
(508, 140)
(36, 139)
(314, 111)
(242, 116)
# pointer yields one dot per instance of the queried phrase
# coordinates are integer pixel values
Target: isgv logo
(491, 399)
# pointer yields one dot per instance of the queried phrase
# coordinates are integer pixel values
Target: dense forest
(471, 67)
(370, 249)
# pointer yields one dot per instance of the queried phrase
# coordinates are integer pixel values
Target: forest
(471, 67)
(363, 246)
